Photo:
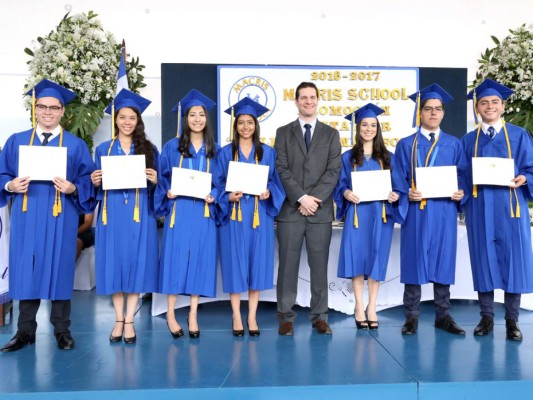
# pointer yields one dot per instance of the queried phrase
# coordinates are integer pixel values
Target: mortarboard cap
(247, 106)
(490, 88)
(191, 99)
(47, 88)
(433, 91)
(126, 98)
(367, 111)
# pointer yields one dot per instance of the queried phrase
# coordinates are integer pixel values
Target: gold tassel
(233, 211)
(206, 210)
(112, 121)
(423, 204)
(239, 213)
(136, 212)
(231, 126)
(25, 202)
(474, 191)
(173, 216)
(511, 203)
(104, 211)
(55, 208)
(418, 109)
(355, 217)
(59, 204)
(33, 101)
(256, 215)
(384, 213)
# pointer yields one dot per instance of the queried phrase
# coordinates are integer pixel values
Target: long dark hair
(379, 150)
(255, 138)
(185, 138)
(141, 143)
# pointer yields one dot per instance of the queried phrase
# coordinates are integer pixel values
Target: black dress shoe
(18, 341)
(64, 341)
(449, 325)
(132, 339)
(410, 326)
(513, 331)
(485, 326)
(177, 334)
(116, 339)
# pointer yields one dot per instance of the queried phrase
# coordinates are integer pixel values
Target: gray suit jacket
(314, 173)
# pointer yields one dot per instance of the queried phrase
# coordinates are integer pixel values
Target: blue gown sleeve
(399, 186)
(8, 171)
(343, 184)
(85, 201)
(223, 203)
(277, 193)
(524, 162)
(162, 206)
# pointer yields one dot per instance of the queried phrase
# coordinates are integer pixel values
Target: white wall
(449, 33)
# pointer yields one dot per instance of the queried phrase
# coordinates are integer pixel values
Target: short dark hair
(305, 85)
(423, 103)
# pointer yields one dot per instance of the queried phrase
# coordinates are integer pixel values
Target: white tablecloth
(341, 292)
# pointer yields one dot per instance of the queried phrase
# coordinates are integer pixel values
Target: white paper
(435, 182)
(123, 172)
(493, 171)
(371, 185)
(42, 163)
(190, 182)
(247, 178)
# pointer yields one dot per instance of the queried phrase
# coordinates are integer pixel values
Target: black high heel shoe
(372, 325)
(177, 334)
(253, 332)
(237, 332)
(133, 339)
(116, 339)
(360, 324)
(193, 334)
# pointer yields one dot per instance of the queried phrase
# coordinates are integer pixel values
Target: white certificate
(372, 185)
(434, 182)
(493, 171)
(191, 183)
(42, 163)
(123, 172)
(247, 178)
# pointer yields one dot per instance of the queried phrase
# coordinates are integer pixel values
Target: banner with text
(342, 90)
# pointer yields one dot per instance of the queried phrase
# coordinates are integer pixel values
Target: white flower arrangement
(80, 55)
(511, 64)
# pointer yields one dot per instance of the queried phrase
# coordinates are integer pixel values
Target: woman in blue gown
(246, 236)
(368, 226)
(188, 263)
(126, 249)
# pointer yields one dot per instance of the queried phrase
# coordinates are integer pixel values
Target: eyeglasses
(42, 107)
(431, 109)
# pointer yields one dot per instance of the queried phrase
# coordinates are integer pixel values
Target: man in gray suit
(309, 162)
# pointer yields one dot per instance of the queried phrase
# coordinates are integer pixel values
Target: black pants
(413, 293)
(511, 302)
(59, 316)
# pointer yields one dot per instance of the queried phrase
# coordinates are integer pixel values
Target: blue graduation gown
(126, 252)
(42, 252)
(247, 254)
(428, 243)
(500, 246)
(188, 263)
(365, 250)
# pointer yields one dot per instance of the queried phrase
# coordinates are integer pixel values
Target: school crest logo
(257, 89)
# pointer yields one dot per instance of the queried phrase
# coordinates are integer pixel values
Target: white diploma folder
(123, 172)
(247, 178)
(42, 163)
(493, 171)
(372, 185)
(190, 182)
(434, 182)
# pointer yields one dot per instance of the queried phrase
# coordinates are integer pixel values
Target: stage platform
(354, 364)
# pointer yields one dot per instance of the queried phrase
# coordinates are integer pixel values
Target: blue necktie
(432, 137)
(46, 137)
(492, 132)
(307, 135)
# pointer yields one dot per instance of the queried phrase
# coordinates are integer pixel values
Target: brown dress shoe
(322, 327)
(286, 328)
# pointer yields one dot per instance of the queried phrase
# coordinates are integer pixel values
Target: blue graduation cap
(191, 99)
(433, 91)
(47, 88)
(367, 111)
(490, 88)
(247, 106)
(126, 98)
